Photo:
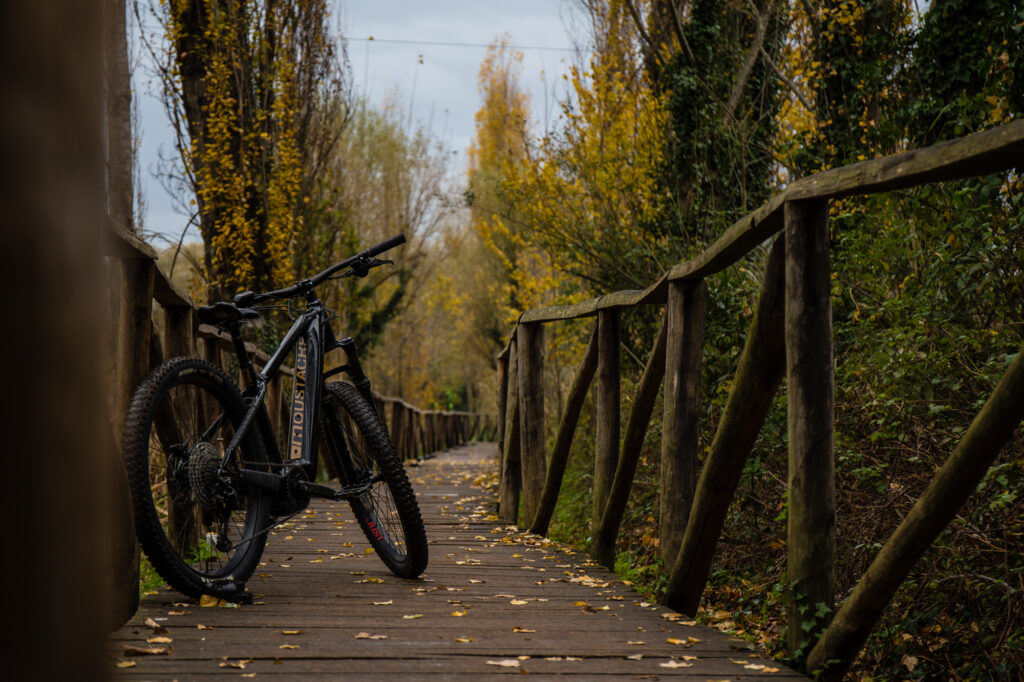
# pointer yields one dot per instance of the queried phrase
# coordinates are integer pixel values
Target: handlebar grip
(386, 245)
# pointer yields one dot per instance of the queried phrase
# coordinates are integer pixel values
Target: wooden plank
(686, 311)
(810, 399)
(760, 370)
(952, 485)
(517, 595)
(606, 454)
(636, 428)
(566, 433)
(531, 417)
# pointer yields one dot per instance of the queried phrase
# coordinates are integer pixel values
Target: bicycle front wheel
(387, 512)
(203, 531)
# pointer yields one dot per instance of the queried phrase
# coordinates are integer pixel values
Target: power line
(371, 39)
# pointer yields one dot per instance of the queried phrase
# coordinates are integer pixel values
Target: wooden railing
(790, 336)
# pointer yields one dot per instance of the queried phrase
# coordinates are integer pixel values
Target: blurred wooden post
(606, 456)
(531, 416)
(685, 310)
(55, 421)
(511, 481)
(179, 338)
(809, 372)
(134, 330)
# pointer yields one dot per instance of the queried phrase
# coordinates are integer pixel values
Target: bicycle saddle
(224, 313)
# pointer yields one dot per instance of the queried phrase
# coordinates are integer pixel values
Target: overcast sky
(441, 91)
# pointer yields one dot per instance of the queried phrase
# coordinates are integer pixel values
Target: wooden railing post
(809, 373)
(606, 455)
(685, 310)
(760, 370)
(511, 481)
(564, 438)
(133, 334)
(502, 394)
(531, 419)
(603, 546)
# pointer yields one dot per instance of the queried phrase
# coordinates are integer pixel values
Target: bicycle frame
(312, 338)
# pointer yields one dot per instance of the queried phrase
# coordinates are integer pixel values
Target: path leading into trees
(492, 601)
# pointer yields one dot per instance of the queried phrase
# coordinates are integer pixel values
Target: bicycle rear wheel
(387, 512)
(203, 532)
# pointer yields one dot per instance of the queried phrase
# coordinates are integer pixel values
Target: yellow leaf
(458, 614)
(518, 602)
(413, 616)
(288, 646)
(126, 664)
(389, 602)
(200, 626)
(516, 628)
(635, 657)
(676, 640)
(463, 640)
(635, 643)
(368, 550)
(160, 640)
(367, 635)
(505, 663)
(291, 632)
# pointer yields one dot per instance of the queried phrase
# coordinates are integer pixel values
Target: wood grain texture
(524, 599)
(810, 398)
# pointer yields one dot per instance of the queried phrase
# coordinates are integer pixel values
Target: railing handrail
(790, 337)
(982, 153)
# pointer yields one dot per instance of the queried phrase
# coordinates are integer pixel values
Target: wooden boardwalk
(493, 601)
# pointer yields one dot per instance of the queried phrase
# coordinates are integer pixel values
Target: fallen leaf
(157, 628)
(413, 616)
(368, 550)
(676, 664)
(200, 626)
(236, 664)
(476, 582)
(178, 613)
(463, 640)
(635, 657)
(367, 635)
(208, 600)
(145, 651)
(288, 646)
(505, 663)
(518, 602)
(516, 628)
(676, 640)
(458, 614)
(389, 602)
(770, 670)
(909, 662)
(291, 632)
(160, 640)
(635, 643)
(126, 664)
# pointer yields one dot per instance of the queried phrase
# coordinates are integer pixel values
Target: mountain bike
(208, 477)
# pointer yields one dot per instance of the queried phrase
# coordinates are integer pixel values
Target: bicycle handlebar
(247, 298)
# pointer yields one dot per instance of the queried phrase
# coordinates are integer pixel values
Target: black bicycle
(208, 477)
